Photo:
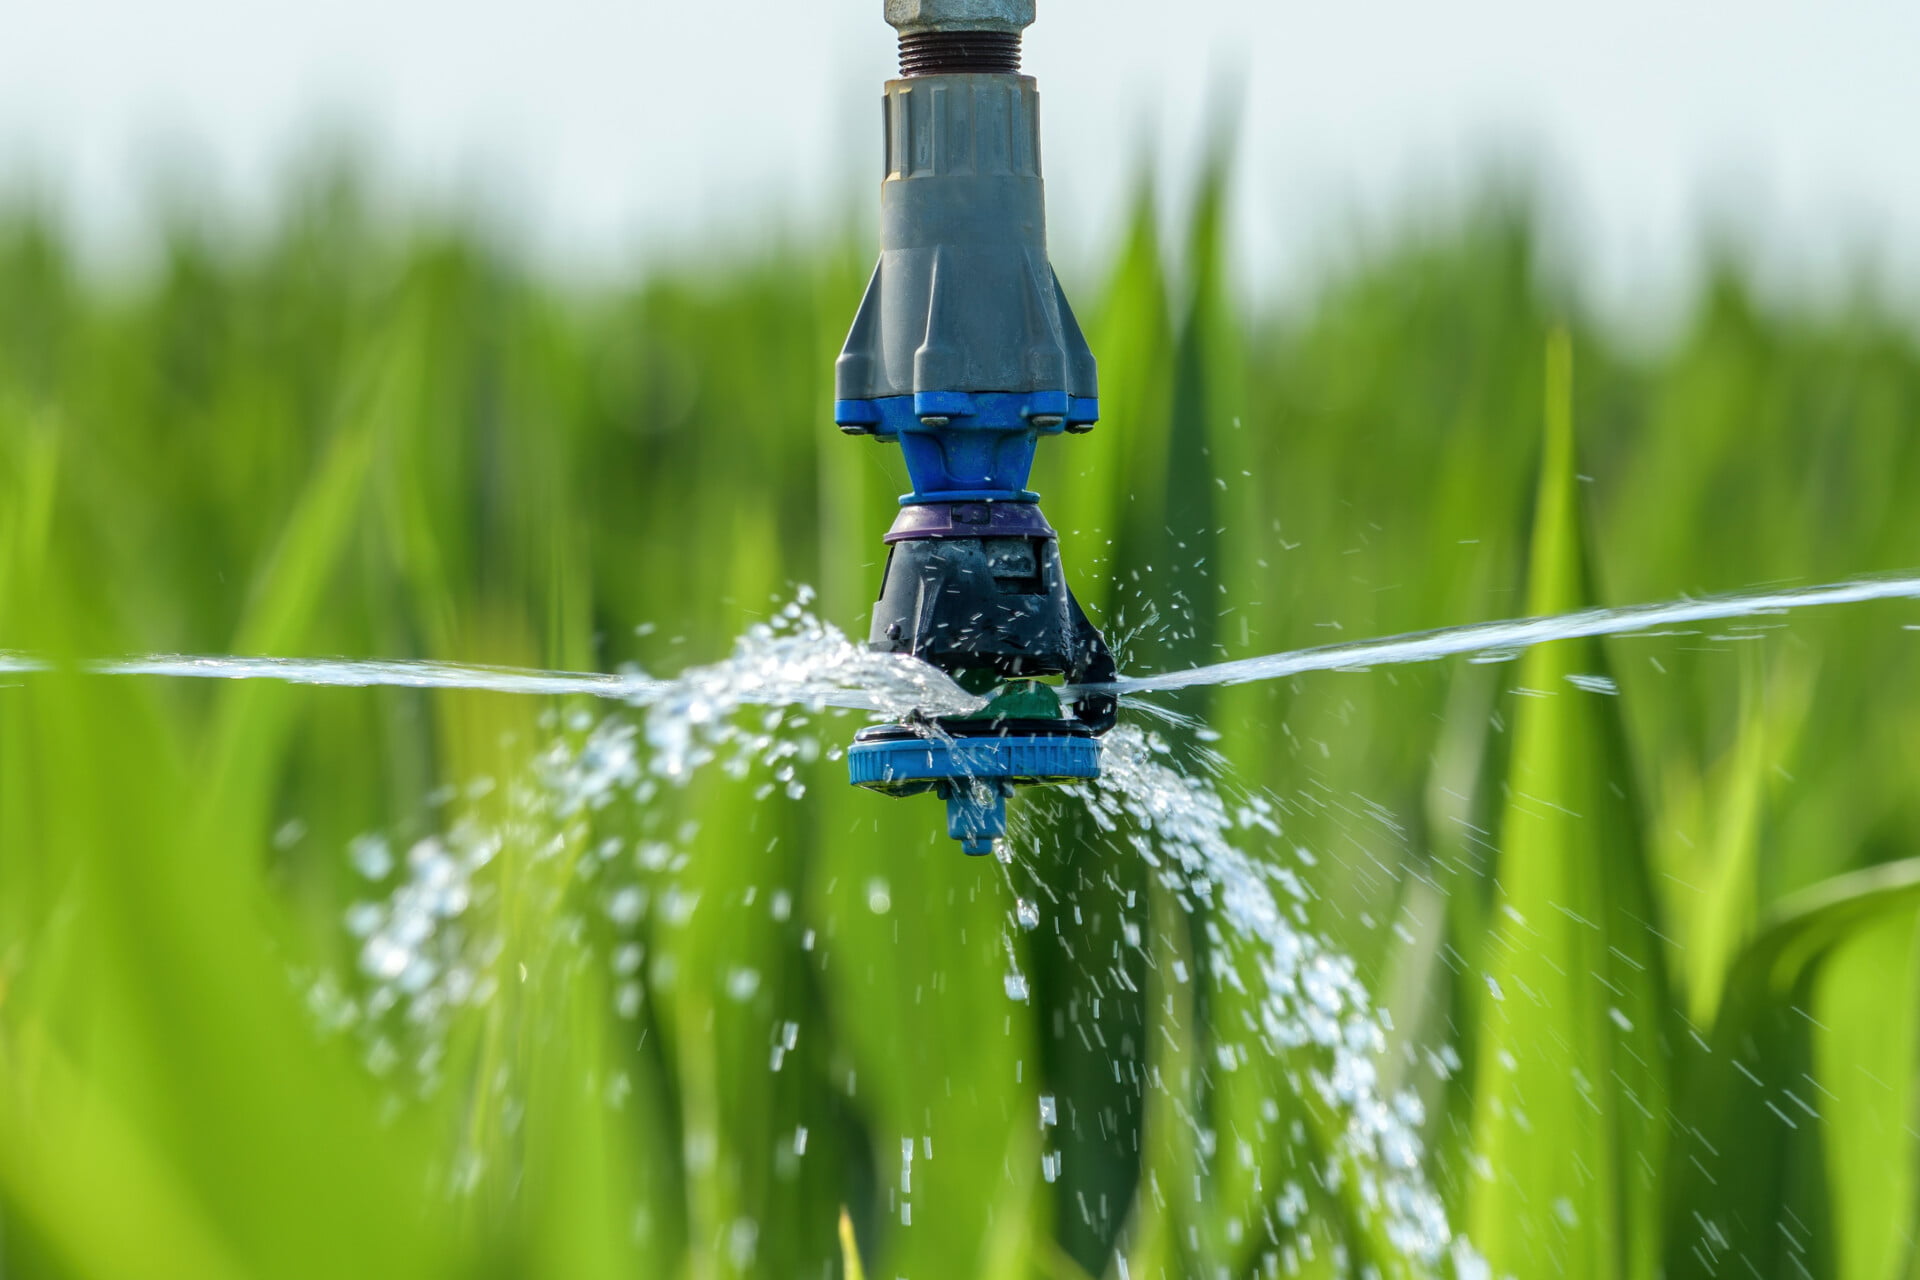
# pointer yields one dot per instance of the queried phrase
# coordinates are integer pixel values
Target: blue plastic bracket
(968, 446)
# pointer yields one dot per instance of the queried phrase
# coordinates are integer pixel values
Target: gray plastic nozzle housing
(964, 298)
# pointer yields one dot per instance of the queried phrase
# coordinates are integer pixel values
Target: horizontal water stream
(849, 677)
(1511, 636)
(350, 673)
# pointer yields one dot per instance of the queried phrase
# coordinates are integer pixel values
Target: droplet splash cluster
(428, 938)
(1313, 1006)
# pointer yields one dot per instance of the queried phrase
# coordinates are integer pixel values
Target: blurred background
(504, 334)
(600, 128)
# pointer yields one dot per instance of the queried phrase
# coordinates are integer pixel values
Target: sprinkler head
(965, 353)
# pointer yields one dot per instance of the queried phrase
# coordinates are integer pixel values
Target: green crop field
(1648, 959)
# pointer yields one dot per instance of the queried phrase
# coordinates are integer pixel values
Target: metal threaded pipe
(939, 53)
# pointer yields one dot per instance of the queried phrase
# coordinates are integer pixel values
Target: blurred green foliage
(1670, 934)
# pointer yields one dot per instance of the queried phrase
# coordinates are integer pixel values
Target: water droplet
(879, 899)
(383, 958)
(743, 1241)
(372, 856)
(625, 907)
(363, 918)
(381, 1056)
(1467, 1262)
(1028, 914)
(1016, 984)
(1493, 987)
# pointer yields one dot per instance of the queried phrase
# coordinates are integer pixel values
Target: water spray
(965, 353)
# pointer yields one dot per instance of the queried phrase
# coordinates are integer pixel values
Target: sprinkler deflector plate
(900, 761)
(974, 767)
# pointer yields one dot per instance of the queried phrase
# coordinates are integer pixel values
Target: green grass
(344, 435)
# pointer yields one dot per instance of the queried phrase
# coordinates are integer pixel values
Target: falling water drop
(372, 857)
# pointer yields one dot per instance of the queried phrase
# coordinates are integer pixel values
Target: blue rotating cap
(973, 766)
(968, 446)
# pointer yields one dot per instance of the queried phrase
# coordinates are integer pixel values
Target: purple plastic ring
(970, 520)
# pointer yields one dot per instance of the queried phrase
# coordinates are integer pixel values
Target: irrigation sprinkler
(965, 353)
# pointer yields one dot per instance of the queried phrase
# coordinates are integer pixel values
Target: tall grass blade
(1571, 1094)
(1745, 1181)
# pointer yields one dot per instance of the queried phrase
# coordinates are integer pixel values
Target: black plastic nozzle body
(994, 605)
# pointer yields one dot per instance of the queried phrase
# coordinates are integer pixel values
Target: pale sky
(606, 125)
